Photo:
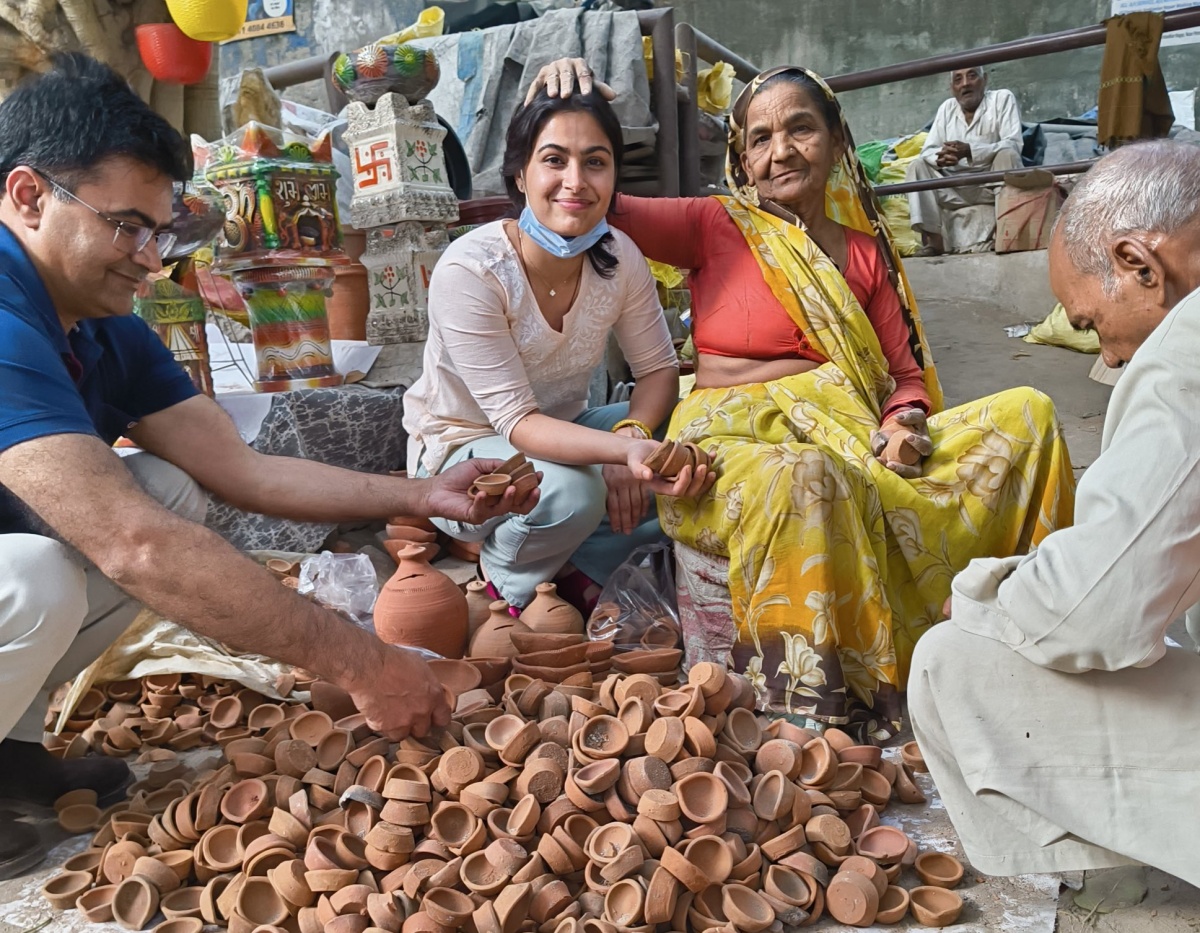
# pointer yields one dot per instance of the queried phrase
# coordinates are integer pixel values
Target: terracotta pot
(478, 602)
(934, 907)
(550, 613)
(422, 607)
(494, 637)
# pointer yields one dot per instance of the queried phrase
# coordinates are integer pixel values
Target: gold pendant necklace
(529, 268)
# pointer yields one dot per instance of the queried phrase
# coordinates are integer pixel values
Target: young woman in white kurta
(519, 319)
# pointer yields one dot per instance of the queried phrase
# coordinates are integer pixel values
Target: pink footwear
(514, 611)
(574, 586)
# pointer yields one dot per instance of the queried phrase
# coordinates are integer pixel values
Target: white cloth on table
(491, 358)
(1055, 720)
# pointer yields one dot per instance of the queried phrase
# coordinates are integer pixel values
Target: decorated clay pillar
(403, 199)
(281, 240)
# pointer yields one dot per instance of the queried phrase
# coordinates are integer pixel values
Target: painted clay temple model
(280, 244)
(402, 196)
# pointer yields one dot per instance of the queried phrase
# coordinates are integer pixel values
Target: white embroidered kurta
(1057, 724)
(491, 358)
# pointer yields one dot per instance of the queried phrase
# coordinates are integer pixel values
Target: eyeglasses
(128, 237)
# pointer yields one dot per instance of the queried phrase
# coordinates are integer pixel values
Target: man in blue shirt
(87, 537)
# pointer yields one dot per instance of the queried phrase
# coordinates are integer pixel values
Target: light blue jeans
(569, 523)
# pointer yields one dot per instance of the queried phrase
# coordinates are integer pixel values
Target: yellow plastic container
(208, 20)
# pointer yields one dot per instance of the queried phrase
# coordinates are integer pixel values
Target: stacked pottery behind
(422, 607)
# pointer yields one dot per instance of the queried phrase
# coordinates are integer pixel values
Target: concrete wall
(838, 36)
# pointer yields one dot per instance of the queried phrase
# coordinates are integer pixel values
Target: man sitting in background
(976, 130)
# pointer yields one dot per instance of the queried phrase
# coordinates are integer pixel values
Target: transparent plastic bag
(637, 606)
(345, 583)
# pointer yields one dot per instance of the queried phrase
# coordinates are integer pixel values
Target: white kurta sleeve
(937, 133)
(1100, 595)
(1008, 122)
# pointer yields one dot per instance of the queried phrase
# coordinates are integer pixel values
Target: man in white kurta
(1058, 726)
(976, 130)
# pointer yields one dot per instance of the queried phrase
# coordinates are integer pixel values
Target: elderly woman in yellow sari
(840, 554)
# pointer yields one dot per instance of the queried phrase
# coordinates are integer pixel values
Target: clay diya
(712, 855)
(702, 797)
(938, 869)
(457, 676)
(747, 910)
(134, 902)
(246, 801)
(883, 844)
(625, 903)
(934, 907)
(79, 818)
(181, 903)
(493, 484)
(62, 890)
(893, 905)
(447, 907)
(180, 925)
(603, 737)
(96, 904)
(852, 899)
(910, 753)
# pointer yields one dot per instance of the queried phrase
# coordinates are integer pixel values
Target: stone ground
(975, 358)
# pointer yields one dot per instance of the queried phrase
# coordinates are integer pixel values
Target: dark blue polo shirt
(100, 379)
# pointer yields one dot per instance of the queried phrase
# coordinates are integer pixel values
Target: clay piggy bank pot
(494, 637)
(550, 613)
(422, 607)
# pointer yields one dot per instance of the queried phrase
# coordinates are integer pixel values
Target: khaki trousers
(1043, 771)
(928, 209)
(58, 612)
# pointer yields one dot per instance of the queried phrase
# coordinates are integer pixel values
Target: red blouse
(734, 311)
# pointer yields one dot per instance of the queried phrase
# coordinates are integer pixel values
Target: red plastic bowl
(169, 55)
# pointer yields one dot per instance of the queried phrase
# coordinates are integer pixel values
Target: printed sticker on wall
(267, 18)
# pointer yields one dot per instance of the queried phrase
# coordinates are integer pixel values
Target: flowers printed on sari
(907, 531)
(984, 467)
(758, 680)
(802, 666)
(865, 670)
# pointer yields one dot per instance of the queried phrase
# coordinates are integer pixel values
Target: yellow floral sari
(836, 564)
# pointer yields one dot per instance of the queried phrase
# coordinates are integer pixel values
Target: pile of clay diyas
(516, 472)
(161, 714)
(670, 457)
(624, 806)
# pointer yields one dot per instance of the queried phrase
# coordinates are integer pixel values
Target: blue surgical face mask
(555, 244)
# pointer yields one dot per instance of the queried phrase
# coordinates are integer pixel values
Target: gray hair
(1146, 187)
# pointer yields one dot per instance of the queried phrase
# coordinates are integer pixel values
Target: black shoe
(21, 848)
(30, 774)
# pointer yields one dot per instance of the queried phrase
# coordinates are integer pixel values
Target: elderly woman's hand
(911, 423)
(559, 79)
